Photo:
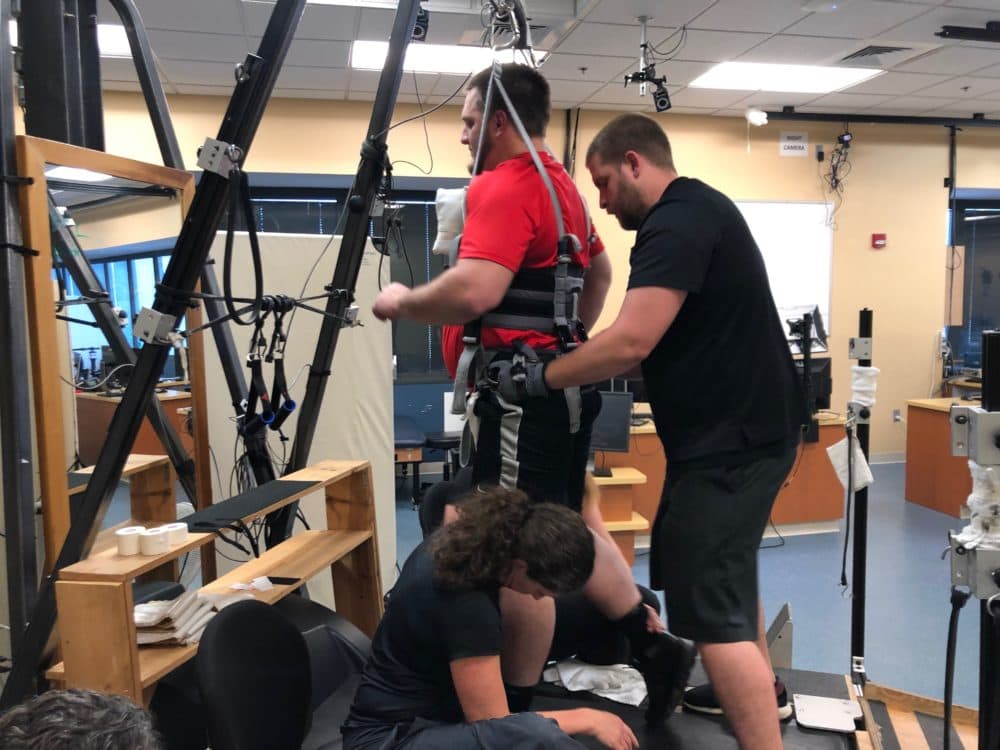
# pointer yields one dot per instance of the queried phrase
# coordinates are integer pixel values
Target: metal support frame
(789, 114)
(15, 403)
(75, 262)
(352, 247)
(238, 127)
(56, 106)
(159, 114)
(860, 550)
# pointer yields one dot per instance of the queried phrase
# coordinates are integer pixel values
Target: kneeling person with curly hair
(435, 678)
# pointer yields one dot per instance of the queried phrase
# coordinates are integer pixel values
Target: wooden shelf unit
(94, 597)
(618, 494)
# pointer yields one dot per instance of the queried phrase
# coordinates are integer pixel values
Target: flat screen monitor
(612, 428)
(820, 381)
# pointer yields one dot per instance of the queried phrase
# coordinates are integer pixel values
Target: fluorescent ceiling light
(74, 174)
(112, 40)
(431, 58)
(806, 79)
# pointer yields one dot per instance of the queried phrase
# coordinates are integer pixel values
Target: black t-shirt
(424, 629)
(721, 382)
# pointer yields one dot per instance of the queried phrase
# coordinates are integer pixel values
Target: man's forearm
(440, 301)
(600, 358)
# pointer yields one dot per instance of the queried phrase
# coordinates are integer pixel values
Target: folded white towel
(616, 682)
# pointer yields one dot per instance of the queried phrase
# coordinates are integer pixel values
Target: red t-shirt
(509, 219)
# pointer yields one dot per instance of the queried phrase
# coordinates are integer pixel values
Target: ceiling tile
(717, 46)
(447, 85)
(566, 67)
(324, 79)
(909, 105)
(715, 98)
(605, 39)
(952, 59)
(376, 24)
(191, 45)
(118, 69)
(739, 15)
(966, 88)
(859, 19)
(363, 81)
(682, 72)
(121, 86)
(993, 5)
(773, 102)
(211, 16)
(316, 53)
(202, 73)
(897, 83)
(616, 94)
(799, 50)
(922, 28)
(318, 21)
(849, 102)
(674, 13)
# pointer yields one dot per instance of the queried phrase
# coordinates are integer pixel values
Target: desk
(958, 387)
(814, 495)
(934, 478)
(94, 413)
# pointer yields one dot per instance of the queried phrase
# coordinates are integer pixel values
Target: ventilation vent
(872, 51)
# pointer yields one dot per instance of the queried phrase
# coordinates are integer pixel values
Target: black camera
(845, 138)
(421, 25)
(661, 98)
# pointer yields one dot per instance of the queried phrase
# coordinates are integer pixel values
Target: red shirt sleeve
(499, 223)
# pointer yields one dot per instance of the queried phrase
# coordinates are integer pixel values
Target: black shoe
(702, 699)
(665, 666)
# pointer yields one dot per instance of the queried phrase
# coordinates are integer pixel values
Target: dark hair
(78, 719)
(498, 526)
(632, 132)
(528, 91)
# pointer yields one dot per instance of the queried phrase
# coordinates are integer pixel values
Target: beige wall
(895, 186)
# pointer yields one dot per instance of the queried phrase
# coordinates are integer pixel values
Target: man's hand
(518, 382)
(387, 303)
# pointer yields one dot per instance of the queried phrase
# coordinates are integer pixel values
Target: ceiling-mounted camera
(421, 26)
(647, 74)
(845, 138)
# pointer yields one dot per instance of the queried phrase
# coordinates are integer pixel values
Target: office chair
(254, 676)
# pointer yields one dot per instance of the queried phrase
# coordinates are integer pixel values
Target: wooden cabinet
(934, 478)
(93, 416)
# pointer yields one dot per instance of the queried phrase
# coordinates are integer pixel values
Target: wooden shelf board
(108, 565)
(638, 523)
(621, 475)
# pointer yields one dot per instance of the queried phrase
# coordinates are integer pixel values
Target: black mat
(222, 514)
(691, 730)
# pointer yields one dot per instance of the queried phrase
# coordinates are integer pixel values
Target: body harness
(538, 299)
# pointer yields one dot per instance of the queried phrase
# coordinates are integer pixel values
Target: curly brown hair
(498, 526)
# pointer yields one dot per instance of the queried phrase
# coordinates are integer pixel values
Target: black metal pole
(16, 453)
(159, 114)
(75, 262)
(149, 81)
(860, 557)
(989, 690)
(345, 274)
(812, 429)
(238, 128)
(91, 99)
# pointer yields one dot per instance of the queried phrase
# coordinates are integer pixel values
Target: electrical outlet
(897, 415)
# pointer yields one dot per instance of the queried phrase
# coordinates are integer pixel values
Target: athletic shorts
(529, 446)
(705, 540)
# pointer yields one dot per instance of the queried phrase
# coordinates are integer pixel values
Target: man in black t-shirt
(700, 319)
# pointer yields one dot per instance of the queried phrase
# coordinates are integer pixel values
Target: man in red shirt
(504, 282)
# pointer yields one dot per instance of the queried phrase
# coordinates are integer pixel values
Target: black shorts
(704, 545)
(529, 446)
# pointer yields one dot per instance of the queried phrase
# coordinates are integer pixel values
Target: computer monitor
(820, 381)
(612, 428)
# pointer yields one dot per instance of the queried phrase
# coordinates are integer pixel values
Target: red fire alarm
(878, 241)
